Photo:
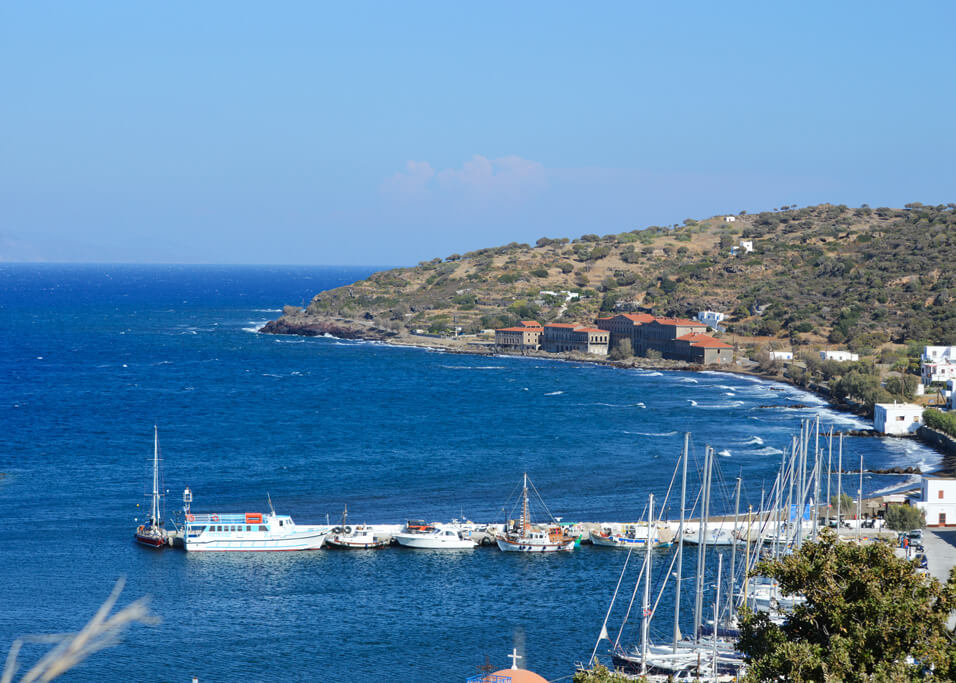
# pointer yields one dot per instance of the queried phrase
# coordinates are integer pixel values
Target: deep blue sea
(92, 356)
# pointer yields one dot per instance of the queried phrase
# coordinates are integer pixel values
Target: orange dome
(521, 676)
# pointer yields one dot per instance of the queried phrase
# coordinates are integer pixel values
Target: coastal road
(941, 557)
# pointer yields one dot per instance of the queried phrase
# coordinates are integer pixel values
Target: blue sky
(388, 133)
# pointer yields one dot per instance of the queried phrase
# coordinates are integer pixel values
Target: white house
(840, 356)
(938, 364)
(937, 500)
(730, 219)
(897, 418)
(781, 355)
(710, 318)
(568, 296)
(747, 245)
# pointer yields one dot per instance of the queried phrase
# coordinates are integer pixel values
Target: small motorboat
(359, 537)
(437, 539)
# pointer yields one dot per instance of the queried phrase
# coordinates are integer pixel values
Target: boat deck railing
(229, 518)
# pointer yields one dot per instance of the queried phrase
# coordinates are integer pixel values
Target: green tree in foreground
(621, 350)
(599, 674)
(847, 506)
(904, 517)
(868, 616)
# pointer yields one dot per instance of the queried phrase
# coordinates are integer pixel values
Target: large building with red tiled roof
(674, 338)
(522, 338)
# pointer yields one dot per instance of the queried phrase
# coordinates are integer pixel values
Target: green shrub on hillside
(943, 422)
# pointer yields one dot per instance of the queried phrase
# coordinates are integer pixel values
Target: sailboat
(522, 536)
(153, 533)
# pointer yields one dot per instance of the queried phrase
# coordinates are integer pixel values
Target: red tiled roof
(560, 325)
(683, 322)
(588, 329)
(704, 341)
(606, 317)
(530, 323)
(516, 329)
(639, 317)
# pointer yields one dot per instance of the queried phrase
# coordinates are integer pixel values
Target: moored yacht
(248, 532)
(153, 533)
(437, 539)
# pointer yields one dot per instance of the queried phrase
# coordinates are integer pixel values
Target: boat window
(218, 528)
(263, 527)
(280, 522)
(248, 528)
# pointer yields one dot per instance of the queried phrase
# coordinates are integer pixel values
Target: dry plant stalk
(102, 631)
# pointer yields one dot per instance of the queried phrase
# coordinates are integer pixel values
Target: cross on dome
(514, 657)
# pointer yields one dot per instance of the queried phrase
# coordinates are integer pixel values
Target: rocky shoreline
(298, 323)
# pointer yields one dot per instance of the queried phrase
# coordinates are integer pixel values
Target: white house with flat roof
(730, 219)
(938, 364)
(841, 356)
(710, 318)
(780, 355)
(937, 500)
(897, 418)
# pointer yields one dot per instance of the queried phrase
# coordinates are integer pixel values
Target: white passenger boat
(437, 539)
(248, 532)
(524, 537)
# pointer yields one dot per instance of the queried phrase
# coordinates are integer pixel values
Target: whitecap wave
(692, 401)
(473, 367)
(266, 310)
(650, 374)
(689, 380)
(754, 441)
(768, 450)
(651, 433)
(640, 404)
(554, 393)
(725, 453)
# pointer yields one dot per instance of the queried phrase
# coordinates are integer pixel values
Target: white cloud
(507, 179)
(410, 184)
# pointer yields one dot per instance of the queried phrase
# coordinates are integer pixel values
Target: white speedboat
(248, 532)
(438, 539)
(524, 537)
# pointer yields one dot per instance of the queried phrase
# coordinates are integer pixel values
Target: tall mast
(829, 469)
(733, 556)
(525, 521)
(646, 603)
(702, 548)
(154, 509)
(839, 482)
(680, 541)
(720, 564)
(859, 505)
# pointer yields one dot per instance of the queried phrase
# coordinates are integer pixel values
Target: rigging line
(627, 614)
(541, 500)
(610, 607)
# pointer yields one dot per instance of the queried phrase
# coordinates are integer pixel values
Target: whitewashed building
(780, 355)
(730, 219)
(841, 356)
(897, 418)
(938, 364)
(937, 500)
(710, 318)
(747, 245)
